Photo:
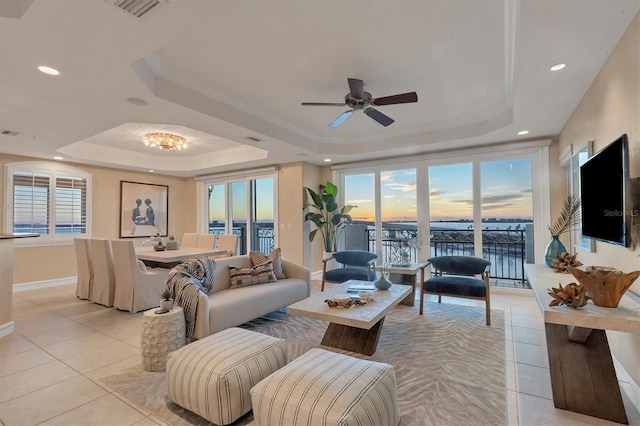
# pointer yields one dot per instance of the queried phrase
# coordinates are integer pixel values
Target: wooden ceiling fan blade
(338, 121)
(381, 118)
(403, 98)
(356, 87)
(324, 103)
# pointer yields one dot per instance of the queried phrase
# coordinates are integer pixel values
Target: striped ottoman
(212, 376)
(327, 388)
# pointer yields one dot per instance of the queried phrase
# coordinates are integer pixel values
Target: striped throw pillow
(244, 277)
(258, 258)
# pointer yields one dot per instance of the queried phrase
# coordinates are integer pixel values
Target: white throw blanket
(185, 281)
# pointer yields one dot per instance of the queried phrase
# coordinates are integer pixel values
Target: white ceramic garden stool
(161, 334)
(212, 376)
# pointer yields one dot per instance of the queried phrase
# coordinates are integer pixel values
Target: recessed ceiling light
(57, 157)
(48, 70)
(523, 132)
(151, 171)
(557, 67)
(327, 160)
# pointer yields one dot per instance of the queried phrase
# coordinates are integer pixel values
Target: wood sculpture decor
(605, 285)
(563, 260)
(573, 295)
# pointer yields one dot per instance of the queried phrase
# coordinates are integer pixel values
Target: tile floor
(51, 364)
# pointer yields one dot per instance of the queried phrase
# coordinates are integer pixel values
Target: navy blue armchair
(355, 265)
(456, 276)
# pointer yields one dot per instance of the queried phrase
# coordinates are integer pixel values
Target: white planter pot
(166, 305)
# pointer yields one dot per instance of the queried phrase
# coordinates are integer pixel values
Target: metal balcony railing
(505, 249)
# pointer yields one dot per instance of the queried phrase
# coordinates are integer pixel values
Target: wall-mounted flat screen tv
(604, 193)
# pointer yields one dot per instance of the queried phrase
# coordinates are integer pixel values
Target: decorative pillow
(244, 277)
(258, 258)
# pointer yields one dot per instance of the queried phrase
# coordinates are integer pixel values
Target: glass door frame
(538, 151)
(226, 179)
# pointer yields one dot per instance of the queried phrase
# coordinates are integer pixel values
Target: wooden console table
(583, 377)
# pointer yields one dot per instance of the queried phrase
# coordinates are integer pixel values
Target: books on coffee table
(361, 286)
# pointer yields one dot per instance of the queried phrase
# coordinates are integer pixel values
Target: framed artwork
(144, 209)
(577, 160)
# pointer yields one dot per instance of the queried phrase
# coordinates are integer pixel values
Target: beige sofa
(228, 307)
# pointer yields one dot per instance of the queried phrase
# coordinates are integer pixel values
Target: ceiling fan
(359, 100)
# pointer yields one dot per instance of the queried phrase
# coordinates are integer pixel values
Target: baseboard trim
(35, 285)
(627, 384)
(7, 328)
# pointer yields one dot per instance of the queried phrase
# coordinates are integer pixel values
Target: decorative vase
(554, 248)
(383, 283)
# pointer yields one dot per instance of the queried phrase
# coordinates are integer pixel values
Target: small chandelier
(165, 141)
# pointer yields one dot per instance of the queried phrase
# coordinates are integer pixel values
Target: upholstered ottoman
(212, 376)
(322, 387)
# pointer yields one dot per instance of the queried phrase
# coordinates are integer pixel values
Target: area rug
(449, 366)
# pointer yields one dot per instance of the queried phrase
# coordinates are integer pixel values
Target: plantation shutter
(31, 203)
(71, 205)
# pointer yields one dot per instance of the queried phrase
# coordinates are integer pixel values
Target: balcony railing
(264, 238)
(505, 249)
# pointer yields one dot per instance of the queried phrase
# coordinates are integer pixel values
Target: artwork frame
(144, 209)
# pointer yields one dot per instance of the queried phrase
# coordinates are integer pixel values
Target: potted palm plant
(166, 304)
(568, 219)
(325, 213)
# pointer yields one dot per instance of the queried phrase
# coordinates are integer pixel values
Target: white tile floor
(51, 365)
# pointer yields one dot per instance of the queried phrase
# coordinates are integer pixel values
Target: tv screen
(604, 186)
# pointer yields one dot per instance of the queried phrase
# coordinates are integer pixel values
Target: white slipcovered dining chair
(85, 268)
(189, 239)
(228, 242)
(137, 288)
(206, 241)
(104, 281)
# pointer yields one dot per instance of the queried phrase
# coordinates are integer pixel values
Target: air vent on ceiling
(136, 8)
(252, 139)
(9, 132)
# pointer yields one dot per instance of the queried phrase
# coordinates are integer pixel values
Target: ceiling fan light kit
(359, 100)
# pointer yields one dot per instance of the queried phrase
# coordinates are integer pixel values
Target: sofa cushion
(243, 277)
(258, 258)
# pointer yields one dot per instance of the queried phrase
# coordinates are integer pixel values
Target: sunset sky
(506, 192)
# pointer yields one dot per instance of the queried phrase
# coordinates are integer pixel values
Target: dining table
(169, 258)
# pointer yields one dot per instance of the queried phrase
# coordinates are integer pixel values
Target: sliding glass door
(245, 207)
(478, 207)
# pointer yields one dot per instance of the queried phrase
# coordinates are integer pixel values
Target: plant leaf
(569, 216)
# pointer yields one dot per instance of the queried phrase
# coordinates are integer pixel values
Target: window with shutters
(48, 199)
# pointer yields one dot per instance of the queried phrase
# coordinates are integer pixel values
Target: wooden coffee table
(355, 329)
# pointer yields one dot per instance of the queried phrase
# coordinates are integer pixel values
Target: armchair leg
(488, 314)
(421, 299)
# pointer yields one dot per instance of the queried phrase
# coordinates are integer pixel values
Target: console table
(583, 378)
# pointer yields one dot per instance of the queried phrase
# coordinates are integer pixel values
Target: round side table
(161, 334)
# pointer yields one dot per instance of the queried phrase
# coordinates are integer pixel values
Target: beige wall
(58, 261)
(290, 228)
(609, 108)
